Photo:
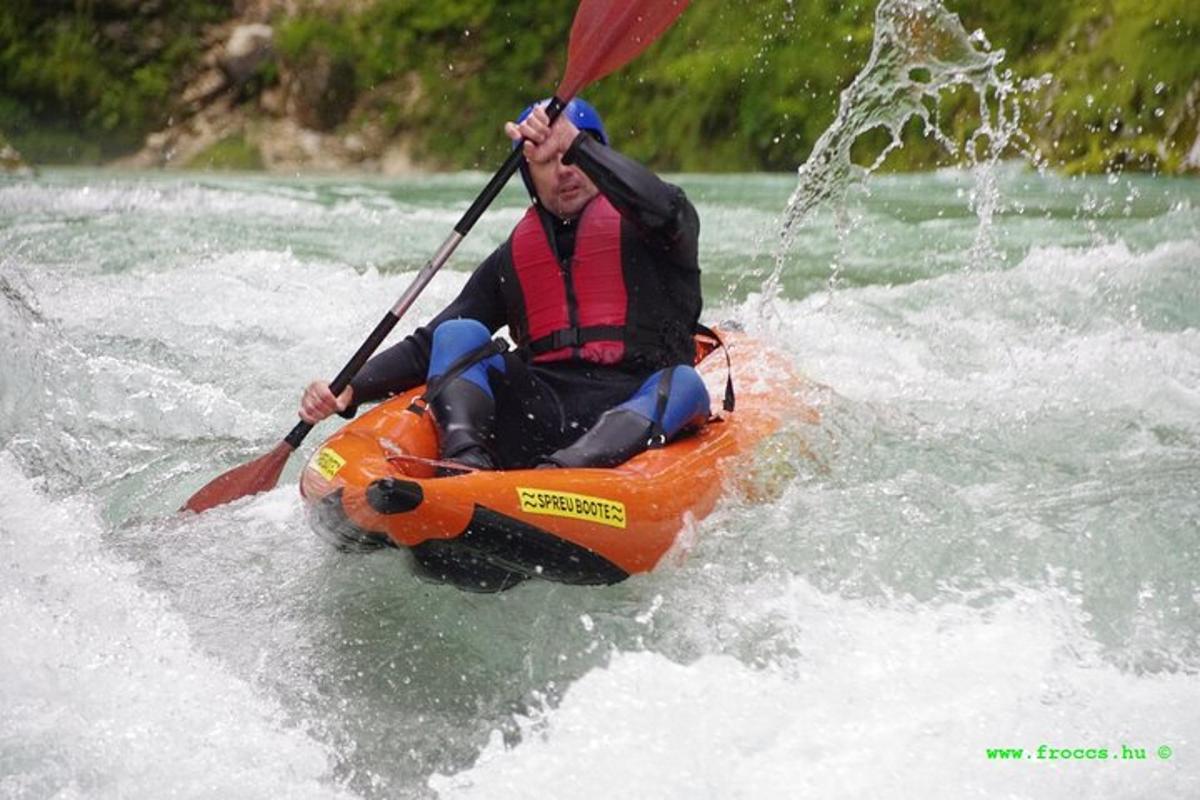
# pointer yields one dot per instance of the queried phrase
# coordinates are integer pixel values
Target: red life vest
(582, 311)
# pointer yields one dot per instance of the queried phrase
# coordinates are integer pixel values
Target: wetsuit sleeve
(405, 364)
(659, 209)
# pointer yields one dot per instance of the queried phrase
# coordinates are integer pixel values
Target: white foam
(103, 694)
(199, 363)
(895, 700)
(1062, 326)
(755, 687)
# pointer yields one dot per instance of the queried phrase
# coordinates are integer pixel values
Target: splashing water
(992, 543)
(920, 51)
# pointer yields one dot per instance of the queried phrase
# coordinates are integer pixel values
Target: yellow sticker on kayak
(328, 463)
(572, 506)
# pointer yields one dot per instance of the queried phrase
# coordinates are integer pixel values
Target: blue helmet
(581, 113)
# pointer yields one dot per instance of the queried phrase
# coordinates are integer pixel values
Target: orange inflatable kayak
(373, 483)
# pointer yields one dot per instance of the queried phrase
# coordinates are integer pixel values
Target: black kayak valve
(394, 496)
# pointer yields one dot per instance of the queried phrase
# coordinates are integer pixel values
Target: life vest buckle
(566, 337)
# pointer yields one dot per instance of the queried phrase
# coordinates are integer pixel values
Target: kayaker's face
(563, 190)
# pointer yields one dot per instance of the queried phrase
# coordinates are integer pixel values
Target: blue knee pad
(687, 400)
(452, 340)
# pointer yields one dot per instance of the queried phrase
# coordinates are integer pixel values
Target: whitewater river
(989, 541)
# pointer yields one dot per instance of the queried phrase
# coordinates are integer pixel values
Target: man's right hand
(318, 402)
(544, 141)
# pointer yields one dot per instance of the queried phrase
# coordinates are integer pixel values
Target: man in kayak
(599, 285)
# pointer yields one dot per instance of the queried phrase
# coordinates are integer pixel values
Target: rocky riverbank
(10, 159)
(231, 118)
(395, 85)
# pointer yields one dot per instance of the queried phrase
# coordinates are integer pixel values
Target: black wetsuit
(541, 407)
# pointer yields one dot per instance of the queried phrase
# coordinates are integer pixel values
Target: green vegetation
(1127, 88)
(736, 85)
(450, 71)
(231, 153)
(83, 80)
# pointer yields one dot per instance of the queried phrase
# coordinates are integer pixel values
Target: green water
(994, 543)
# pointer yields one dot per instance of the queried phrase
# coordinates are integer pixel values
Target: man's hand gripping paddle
(606, 35)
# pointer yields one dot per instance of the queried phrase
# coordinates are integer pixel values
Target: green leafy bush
(735, 85)
(232, 153)
(87, 80)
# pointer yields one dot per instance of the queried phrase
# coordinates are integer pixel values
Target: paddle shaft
(426, 273)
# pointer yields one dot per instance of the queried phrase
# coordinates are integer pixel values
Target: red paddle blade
(259, 475)
(608, 34)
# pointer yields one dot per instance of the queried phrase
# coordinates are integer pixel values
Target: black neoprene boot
(619, 435)
(464, 415)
